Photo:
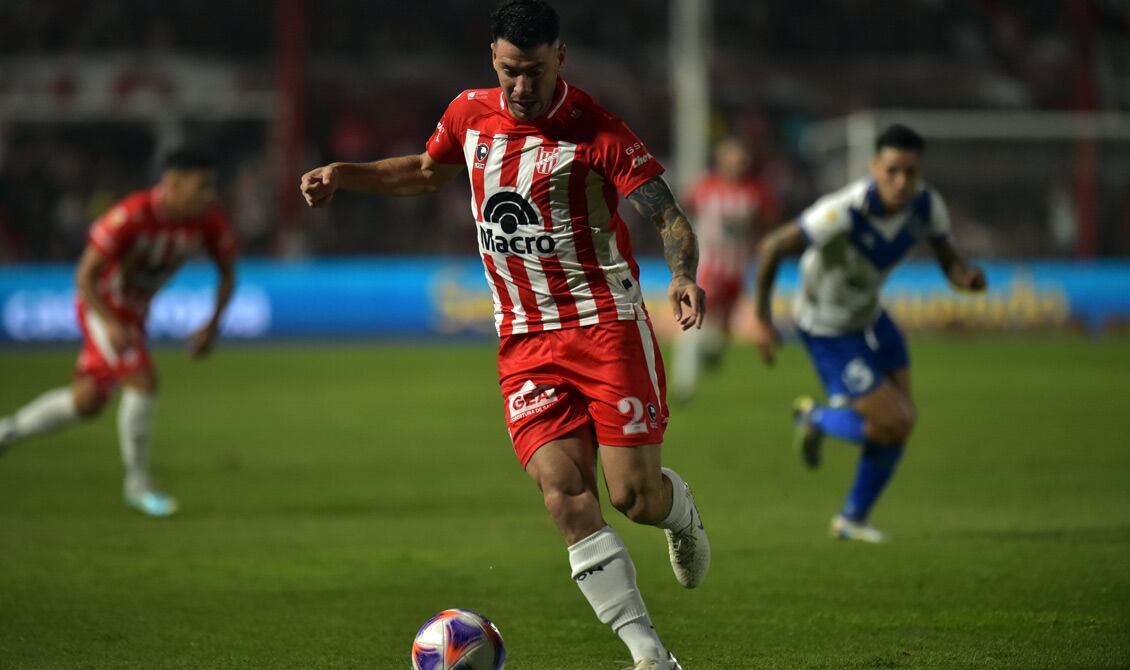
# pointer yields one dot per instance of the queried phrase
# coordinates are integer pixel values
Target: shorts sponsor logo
(857, 375)
(531, 399)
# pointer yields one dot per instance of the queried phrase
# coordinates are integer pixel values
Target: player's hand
(120, 336)
(766, 338)
(969, 278)
(200, 343)
(319, 185)
(688, 302)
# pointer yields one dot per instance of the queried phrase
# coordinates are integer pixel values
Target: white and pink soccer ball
(458, 640)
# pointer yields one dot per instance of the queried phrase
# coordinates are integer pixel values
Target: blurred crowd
(378, 75)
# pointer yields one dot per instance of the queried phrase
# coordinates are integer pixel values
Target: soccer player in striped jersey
(731, 208)
(131, 252)
(851, 241)
(578, 362)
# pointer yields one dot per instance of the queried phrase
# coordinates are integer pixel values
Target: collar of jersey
(562, 86)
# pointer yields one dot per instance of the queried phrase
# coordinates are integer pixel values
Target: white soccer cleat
(844, 528)
(671, 663)
(688, 548)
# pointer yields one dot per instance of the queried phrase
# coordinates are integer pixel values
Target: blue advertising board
(420, 297)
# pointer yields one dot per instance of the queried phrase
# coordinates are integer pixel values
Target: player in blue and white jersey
(851, 240)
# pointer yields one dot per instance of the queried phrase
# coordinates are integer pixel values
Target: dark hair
(898, 136)
(525, 23)
(188, 158)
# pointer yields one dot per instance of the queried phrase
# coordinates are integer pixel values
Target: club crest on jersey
(547, 160)
(481, 152)
(531, 399)
(510, 211)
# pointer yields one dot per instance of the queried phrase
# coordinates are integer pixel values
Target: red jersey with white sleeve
(544, 195)
(727, 214)
(144, 249)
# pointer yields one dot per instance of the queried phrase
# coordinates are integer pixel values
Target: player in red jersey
(578, 363)
(131, 252)
(731, 209)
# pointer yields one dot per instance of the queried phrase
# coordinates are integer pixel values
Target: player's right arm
(90, 267)
(788, 240)
(400, 176)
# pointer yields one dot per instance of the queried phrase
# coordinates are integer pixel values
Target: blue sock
(876, 465)
(842, 422)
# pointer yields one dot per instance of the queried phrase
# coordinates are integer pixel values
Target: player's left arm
(203, 339)
(657, 204)
(961, 274)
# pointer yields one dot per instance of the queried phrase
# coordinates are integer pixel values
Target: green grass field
(335, 498)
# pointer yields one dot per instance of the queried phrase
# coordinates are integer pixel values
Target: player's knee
(635, 501)
(892, 427)
(89, 401)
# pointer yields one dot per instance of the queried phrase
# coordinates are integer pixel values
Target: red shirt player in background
(578, 364)
(131, 252)
(732, 209)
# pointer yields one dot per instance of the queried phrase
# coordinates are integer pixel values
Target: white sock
(53, 409)
(604, 571)
(135, 423)
(688, 357)
(680, 515)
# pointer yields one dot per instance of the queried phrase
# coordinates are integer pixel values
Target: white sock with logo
(135, 424)
(53, 409)
(606, 576)
(680, 515)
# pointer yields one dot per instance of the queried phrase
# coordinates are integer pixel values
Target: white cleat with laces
(689, 548)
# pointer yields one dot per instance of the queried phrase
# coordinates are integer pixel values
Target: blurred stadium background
(1026, 109)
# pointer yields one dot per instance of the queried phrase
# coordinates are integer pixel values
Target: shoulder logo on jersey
(531, 399)
(510, 211)
(117, 217)
(547, 160)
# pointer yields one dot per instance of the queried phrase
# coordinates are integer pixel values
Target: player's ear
(560, 56)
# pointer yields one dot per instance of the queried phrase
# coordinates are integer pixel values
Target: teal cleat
(152, 503)
(807, 439)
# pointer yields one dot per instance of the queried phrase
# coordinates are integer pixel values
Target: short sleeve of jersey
(219, 239)
(825, 219)
(939, 217)
(446, 143)
(622, 157)
(113, 231)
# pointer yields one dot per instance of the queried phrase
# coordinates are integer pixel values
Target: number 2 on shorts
(633, 406)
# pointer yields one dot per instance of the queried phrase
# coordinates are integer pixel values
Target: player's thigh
(90, 394)
(901, 379)
(142, 378)
(567, 464)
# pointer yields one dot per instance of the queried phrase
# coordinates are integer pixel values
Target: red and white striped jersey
(727, 215)
(144, 249)
(544, 195)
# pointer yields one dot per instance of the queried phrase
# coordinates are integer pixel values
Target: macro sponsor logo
(510, 211)
(531, 399)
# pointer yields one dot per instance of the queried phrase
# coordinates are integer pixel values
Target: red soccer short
(722, 287)
(99, 360)
(608, 374)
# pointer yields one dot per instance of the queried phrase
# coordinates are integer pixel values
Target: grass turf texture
(335, 498)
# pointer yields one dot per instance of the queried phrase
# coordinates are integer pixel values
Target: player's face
(189, 192)
(528, 77)
(896, 176)
(731, 159)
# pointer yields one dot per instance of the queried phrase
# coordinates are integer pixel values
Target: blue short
(854, 364)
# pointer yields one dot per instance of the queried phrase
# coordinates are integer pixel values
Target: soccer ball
(458, 640)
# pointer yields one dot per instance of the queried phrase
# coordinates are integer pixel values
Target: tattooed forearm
(656, 203)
